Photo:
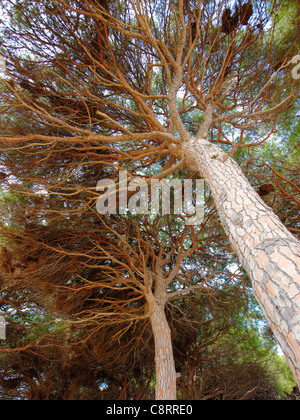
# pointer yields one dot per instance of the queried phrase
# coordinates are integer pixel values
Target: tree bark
(165, 388)
(267, 250)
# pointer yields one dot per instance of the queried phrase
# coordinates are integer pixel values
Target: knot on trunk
(186, 153)
(189, 157)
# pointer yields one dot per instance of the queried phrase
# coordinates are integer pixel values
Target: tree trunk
(267, 250)
(165, 388)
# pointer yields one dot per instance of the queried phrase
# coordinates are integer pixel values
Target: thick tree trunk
(267, 250)
(165, 388)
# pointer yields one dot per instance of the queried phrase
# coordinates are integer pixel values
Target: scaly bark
(165, 388)
(267, 250)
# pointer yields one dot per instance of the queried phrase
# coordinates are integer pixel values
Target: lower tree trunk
(267, 250)
(165, 388)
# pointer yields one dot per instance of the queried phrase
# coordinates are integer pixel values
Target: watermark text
(137, 196)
